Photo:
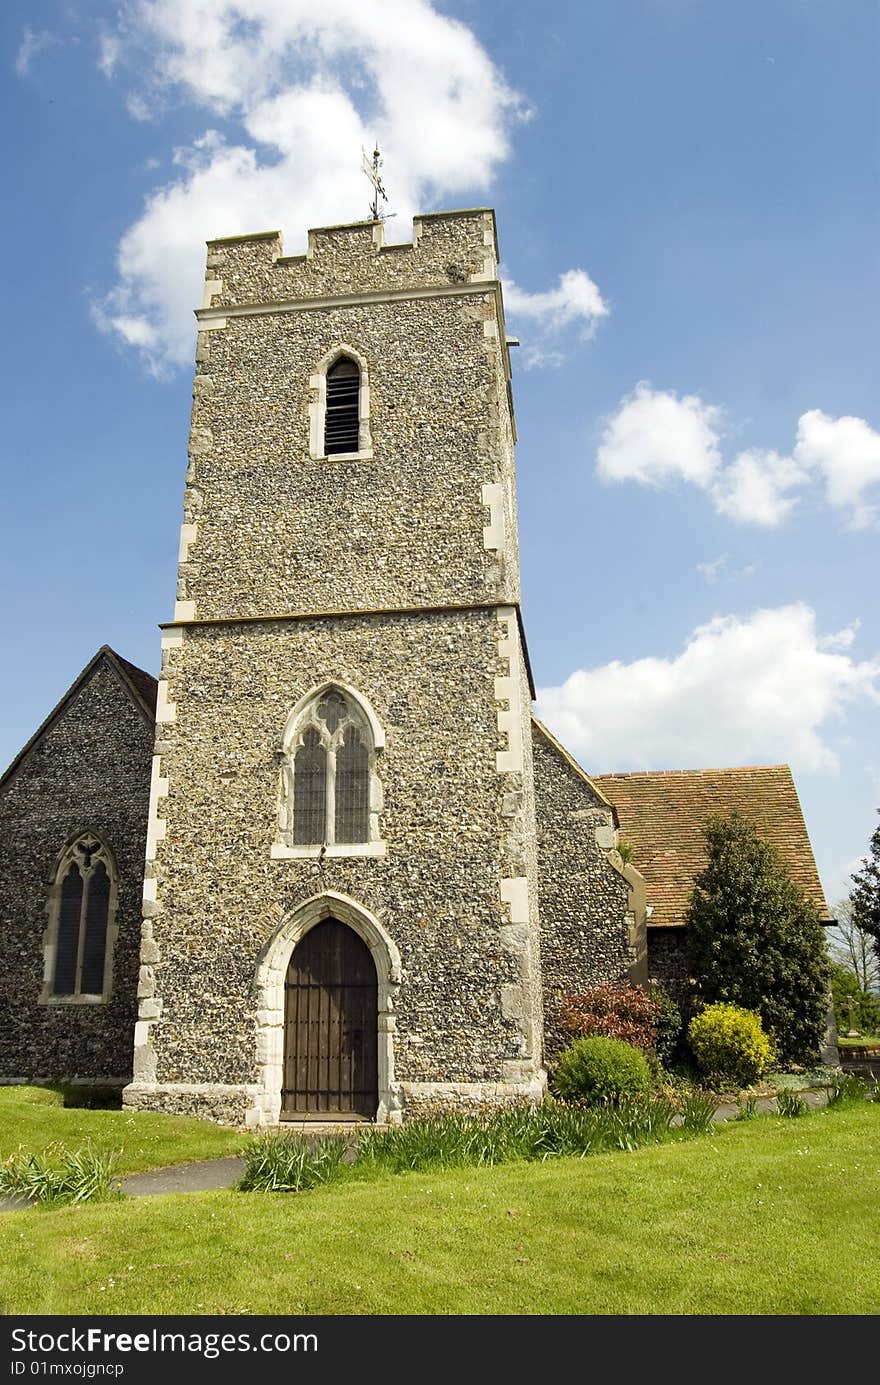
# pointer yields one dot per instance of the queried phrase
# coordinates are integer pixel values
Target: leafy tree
(853, 947)
(755, 940)
(853, 1006)
(865, 894)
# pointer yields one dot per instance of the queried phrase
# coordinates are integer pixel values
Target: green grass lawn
(34, 1117)
(763, 1216)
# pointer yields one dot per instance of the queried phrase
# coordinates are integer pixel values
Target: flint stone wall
(280, 532)
(583, 896)
(445, 824)
(668, 963)
(447, 249)
(90, 771)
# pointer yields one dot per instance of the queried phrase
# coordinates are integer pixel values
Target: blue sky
(687, 204)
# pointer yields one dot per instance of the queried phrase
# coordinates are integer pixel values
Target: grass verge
(33, 1118)
(278, 1162)
(767, 1216)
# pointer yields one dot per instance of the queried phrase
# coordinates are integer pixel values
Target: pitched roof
(140, 686)
(662, 814)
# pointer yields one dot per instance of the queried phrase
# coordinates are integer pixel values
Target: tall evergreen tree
(756, 940)
(865, 894)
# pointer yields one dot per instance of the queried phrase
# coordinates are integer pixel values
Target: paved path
(180, 1178)
(184, 1178)
(729, 1110)
(13, 1204)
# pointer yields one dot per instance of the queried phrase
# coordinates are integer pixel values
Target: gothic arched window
(342, 417)
(330, 793)
(81, 932)
(339, 411)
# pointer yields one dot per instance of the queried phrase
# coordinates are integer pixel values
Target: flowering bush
(729, 1043)
(616, 1010)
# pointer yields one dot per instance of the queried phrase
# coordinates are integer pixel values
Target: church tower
(340, 902)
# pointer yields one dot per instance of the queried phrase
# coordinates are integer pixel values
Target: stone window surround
(53, 909)
(300, 718)
(318, 408)
(271, 973)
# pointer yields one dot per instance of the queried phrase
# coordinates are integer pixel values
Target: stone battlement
(448, 249)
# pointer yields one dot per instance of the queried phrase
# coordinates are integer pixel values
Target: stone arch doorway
(269, 998)
(330, 1027)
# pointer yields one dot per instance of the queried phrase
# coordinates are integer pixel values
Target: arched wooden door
(331, 1026)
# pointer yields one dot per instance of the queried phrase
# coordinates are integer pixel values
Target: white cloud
(846, 453)
(656, 439)
(716, 568)
(576, 300)
(31, 44)
(302, 88)
(109, 48)
(712, 569)
(754, 488)
(534, 356)
(762, 688)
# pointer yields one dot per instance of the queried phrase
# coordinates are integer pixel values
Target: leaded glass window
(82, 910)
(309, 789)
(352, 788)
(67, 946)
(327, 774)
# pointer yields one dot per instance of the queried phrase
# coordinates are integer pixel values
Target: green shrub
(729, 1044)
(851, 1003)
(788, 1103)
(669, 1024)
(280, 1163)
(601, 1069)
(58, 1174)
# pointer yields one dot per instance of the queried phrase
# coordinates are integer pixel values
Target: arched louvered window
(342, 416)
(328, 797)
(80, 936)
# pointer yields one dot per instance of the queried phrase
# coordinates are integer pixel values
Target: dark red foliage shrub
(616, 1009)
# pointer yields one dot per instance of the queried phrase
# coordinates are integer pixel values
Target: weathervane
(371, 169)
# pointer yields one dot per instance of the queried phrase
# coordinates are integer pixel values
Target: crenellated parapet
(448, 250)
